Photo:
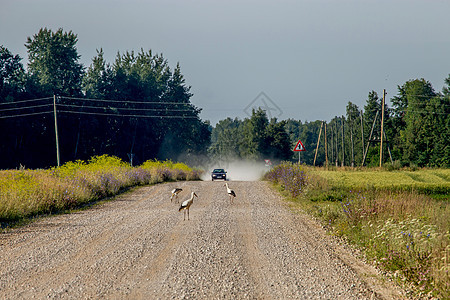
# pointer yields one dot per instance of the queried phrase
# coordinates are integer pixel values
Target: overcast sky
(307, 57)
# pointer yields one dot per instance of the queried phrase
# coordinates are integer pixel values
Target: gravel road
(138, 247)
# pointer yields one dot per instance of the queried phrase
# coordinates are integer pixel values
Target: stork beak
(195, 195)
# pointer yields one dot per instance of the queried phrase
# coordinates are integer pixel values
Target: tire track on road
(151, 270)
(255, 261)
(86, 260)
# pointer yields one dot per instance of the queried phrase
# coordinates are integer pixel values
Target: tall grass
(402, 231)
(291, 177)
(26, 193)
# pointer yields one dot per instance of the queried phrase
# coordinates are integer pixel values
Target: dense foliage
(254, 138)
(136, 108)
(416, 133)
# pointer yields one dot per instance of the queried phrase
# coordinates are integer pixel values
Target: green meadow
(434, 182)
(399, 219)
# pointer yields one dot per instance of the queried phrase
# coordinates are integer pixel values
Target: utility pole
(351, 138)
(332, 143)
(337, 144)
(56, 131)
(362, 134)
(343, 147)
(317, 147)
(299, 152)
(326, 149)
(382, 121)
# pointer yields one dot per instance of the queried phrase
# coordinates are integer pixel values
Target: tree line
(416, 133)
(136, 108)
(254, 138)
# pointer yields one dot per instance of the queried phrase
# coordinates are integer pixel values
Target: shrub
(170, 171)
(291, 177)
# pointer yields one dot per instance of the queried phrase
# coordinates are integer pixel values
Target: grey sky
(309, 56)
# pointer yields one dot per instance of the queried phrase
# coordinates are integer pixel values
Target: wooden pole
(332, 143)
(317, 147)
(337, 144)
(382, 121)
(362, 135)
(343, 147)
(351, 139)
(56, 131)
(326, 149)
(299, 152)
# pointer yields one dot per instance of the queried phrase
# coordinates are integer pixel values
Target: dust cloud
(237, 170)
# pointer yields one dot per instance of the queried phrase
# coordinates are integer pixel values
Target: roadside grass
(28, 193)
(404, 230)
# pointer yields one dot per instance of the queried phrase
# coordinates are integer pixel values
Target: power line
(26, 107)
(127, 101)
(16, 109)
(25, 115)
(121, 115)
(122, 108)
(25, 101)
(141, 109)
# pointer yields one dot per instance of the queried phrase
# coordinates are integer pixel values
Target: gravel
(138, 247)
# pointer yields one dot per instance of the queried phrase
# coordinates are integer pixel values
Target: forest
(416, 133)
(138, 108)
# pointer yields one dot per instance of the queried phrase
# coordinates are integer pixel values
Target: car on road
(218, 174)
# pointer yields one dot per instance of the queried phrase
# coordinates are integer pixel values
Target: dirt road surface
(139, 247)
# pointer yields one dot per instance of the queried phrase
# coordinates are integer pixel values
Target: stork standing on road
(187, 204)
(231, 193)
(175, 193)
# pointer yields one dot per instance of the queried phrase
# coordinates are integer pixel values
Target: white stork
(175, 193)
(230, 192)
(187, 204)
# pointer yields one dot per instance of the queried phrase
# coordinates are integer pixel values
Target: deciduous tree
(53, 62)
(12, 76)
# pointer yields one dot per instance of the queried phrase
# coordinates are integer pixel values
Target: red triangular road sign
(299, 146)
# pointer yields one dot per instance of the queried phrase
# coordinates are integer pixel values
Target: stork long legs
(186, 205)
